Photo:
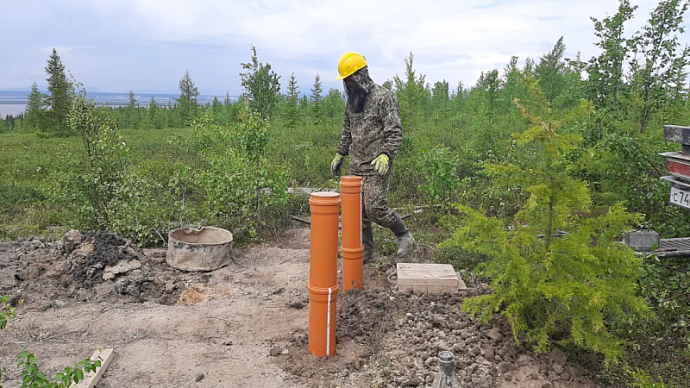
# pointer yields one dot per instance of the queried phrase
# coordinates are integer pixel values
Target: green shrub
(90, 183)
(440, 172)
(566, 289)
(32, 377)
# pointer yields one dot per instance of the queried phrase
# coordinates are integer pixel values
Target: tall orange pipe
(352, 248)
(323, 267)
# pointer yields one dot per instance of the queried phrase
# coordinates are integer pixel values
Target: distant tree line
(46, 113)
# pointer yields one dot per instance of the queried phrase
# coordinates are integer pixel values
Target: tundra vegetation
(529, 178)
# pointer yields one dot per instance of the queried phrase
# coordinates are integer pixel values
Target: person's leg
(368, 242)
(375, 195)
(403, 235)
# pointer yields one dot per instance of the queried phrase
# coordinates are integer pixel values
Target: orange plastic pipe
(352, 248)
(323, 267)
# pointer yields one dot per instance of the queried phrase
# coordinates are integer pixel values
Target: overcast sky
(146, 45)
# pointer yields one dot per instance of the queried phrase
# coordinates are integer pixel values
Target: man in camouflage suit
(372, 134)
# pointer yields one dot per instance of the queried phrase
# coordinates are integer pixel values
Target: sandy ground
(245, 325)
(222, 332)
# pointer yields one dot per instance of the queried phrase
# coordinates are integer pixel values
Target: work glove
(381, 164)
(336, 163)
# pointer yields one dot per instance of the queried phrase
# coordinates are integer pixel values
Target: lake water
(11, 109)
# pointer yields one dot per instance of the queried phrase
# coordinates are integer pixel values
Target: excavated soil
(392, 339)
(244, 325)
(44, 272)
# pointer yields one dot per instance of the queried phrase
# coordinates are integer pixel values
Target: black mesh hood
(361, 77)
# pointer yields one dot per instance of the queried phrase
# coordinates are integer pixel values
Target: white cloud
(451, 39)
(484, 32)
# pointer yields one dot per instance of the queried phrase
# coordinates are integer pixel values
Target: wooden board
(415, 274)
(433, 289)
(441, 289)
(92, 378)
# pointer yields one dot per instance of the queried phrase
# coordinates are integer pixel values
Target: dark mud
(108, 250)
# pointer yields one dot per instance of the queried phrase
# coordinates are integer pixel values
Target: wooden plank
(442, 289)
(461, 284)
(428, 289)
(450, 282)
(92, 378)
(416, 267)
(428, 282)
(427, 274)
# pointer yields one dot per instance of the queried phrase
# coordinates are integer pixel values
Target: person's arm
(346, 136)
(392, 127)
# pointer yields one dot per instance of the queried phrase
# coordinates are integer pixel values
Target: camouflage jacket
(375, 131)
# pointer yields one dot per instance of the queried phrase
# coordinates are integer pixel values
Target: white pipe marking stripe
(328, 325)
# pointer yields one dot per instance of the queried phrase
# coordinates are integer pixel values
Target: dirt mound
(98, 251)
(397, 337)
(89, 266)
(104, 261)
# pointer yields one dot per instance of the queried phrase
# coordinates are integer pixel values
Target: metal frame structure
(678, 167)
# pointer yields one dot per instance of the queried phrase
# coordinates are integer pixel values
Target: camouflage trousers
(375, 202)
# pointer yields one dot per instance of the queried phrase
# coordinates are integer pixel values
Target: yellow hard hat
(349, 64)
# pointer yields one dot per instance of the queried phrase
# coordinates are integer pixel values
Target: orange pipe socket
(352, 248)
(323, 267)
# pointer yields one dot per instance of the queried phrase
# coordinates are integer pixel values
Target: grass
(26, 161)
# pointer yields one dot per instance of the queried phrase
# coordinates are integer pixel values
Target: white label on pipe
(328, 325)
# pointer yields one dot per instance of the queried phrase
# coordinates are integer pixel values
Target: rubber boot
(368, 242)
(404, 236)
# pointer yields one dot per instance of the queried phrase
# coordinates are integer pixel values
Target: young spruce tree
(60, 92)
(316, 99)
(131, 116)
(35, 111)
(291, 109)
(188, 95)
(152, 114)
(551, 71)
(410, 92)
(133, 103)
(554, 287)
